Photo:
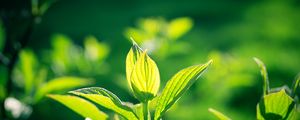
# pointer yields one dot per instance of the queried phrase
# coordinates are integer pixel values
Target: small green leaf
(150, 26)
(142, 74)
(28, 63)
(61, 55)
(145, 79)
(132, 56)
(175, 87)
(276, 106)
(106, 99)
(264, 73)
(80, 106)
(61, 84)
(95, 50)
(218, 114)
(179, 27)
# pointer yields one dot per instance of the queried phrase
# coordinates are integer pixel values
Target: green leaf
(276, 106)
(150, 26)
(28, 64)
(264, 73)
(95, 50)
(61, 84)
(179, 27)
(106, 99)
(80, 106)
(142, 74)
(145, 79)
(175, 87)
(132, 56)
(218, 114)
(61, 55)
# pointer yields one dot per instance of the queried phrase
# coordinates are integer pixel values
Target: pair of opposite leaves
(144, 81)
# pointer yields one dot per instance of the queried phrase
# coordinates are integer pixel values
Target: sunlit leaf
(95, 50)
(218, 114)
(28, 64)
(62, 45)
(60, 41)
(142, 74)
(132, 56)
(106, 99)
(264, 74)
(175, 87)
(61, 84)
(80, 106)
(150, 25)
(145, 79)
(276, 106)
(179, 27)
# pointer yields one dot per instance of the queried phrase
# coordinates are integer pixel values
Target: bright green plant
(36, 79)
(276, 104)
(144, 81)
(68, 58)
(32, 77)
(14, 36)
(161, 37)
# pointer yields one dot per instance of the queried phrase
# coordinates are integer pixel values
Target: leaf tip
(210, 62)
(258, 61)
(133, 41)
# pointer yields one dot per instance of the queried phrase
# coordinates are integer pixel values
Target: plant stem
(296, 84)
(146, 111)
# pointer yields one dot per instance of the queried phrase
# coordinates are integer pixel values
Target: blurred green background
(90, 39)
